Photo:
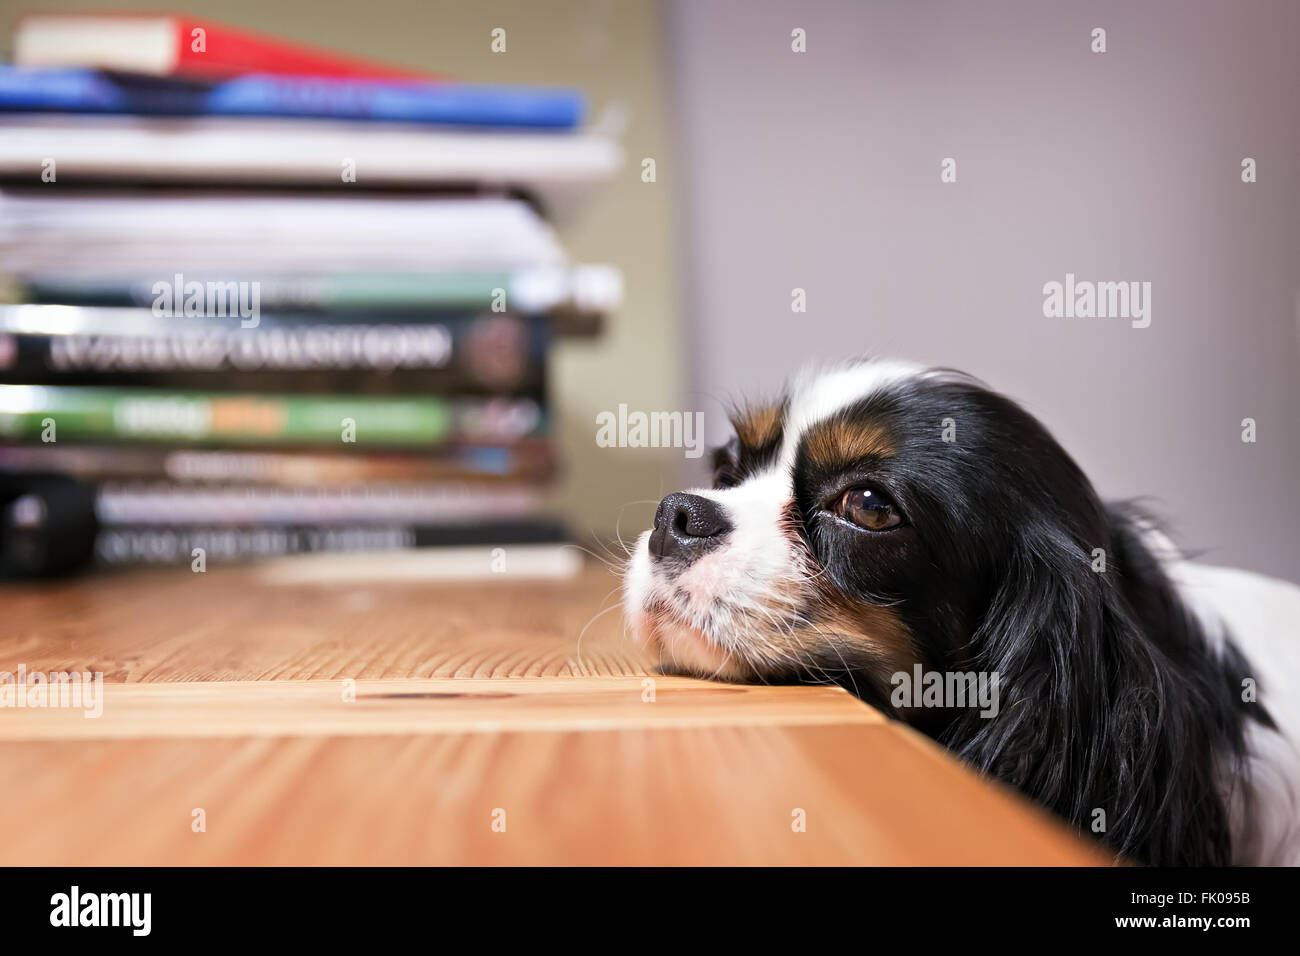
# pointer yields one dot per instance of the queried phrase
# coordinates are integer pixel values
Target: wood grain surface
(367, 707)
(240, 624)
(450, 724)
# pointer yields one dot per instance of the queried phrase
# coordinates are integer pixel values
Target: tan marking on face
(872, 634)
(839, 442)
(759, 426)
(882, 633)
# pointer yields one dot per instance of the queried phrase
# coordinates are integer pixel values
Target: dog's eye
(725, 477)
(869, 509)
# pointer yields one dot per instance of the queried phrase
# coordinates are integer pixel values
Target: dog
(883, 522)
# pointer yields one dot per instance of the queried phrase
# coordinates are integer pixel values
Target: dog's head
(874, 517)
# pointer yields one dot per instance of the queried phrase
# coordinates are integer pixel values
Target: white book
(82, 233)
(560, 169)
(137, 44)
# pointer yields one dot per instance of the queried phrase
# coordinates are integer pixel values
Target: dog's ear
(1095, 721)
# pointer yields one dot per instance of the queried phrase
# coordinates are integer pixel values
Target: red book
(164, 44)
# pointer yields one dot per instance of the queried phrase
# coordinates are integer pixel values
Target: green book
(48, 413)
(585, 288)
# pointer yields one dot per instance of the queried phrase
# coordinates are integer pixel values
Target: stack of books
(263, 300)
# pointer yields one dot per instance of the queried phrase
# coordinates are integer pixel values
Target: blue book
(80, 90)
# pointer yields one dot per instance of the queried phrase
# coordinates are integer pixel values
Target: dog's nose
(687, 525)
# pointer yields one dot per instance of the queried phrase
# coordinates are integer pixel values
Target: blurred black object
(47, 525)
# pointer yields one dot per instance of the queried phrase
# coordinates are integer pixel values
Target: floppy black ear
(1097, 714)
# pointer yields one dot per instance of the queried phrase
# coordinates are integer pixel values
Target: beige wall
(610, 51)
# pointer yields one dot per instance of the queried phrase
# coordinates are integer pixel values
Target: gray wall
(821, 170)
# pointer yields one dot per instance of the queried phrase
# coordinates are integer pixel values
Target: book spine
(528, 460)
(181, 505)
(78, 90)
(59, 90)
(43, 413)
(593, 288)
(198, 48)
(442, 104)
(494, 353)
(228, 52)
(176, 547)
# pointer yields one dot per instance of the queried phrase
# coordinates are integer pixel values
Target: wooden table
(319, 723)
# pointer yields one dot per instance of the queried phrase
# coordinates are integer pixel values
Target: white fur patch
(1262, 616)
(817, 395)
